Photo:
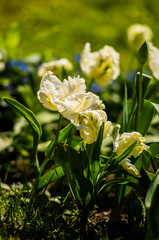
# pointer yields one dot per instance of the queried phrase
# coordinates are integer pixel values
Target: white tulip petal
(56, 66)
(103, 65)
(129, 167)
(137, 34)
(71, 100)
(154, 60)
(89, 125)
(76, 104)
(72, 86)
(126, 140)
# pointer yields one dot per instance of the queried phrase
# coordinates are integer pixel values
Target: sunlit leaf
(93, 151)
(156, 106)
(51, 148)
(146, 117)
(27, 114)
(62, 137)
(32, 120)
(76, 171)
(53, 174)
(125, 153)
(146, 81)
(123, 181)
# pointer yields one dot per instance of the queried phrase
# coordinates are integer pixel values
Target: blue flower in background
(96, 88)
(24, 79)
(17, 71)
(130, 76)
(17, 63)
(77, 58)
(10, 87)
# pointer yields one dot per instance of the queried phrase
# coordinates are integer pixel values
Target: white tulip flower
(68, 97)
(55, 66)
(75, 105)
(154, 60)
(2, 66)
(52, 91)
(137, 34)
(89, 125)
(126, 140)
(121, 143)
(103, 66)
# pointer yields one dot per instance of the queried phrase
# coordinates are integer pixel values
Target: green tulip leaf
(75, 165)
(27, 114)
(93, 152)
(53, 174)
(152, 207)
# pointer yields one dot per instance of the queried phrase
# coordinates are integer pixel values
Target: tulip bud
(143, 54)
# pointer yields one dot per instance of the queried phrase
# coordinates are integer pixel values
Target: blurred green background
(60, 28)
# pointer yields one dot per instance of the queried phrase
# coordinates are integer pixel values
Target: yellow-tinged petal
(70, 99)
(126, 140)
(53, 92)
(72, 86)
(90, 123)
(121, 143)
(129, 167)
(76, 104)
(154, 60)
(103, 65)
(137, 34)
(55, 66)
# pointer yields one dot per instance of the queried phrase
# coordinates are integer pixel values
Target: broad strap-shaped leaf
(51, 148)
(146, 82)
(146, 117)
(32, 120)
(65, 132)
(53, 174)
(146, 159)
(154, 148)
(62, 137)
(152, 207)
(27, 113)
(112, 162)
(156, 106)
(123, 181)
(93, 152)
(75, 167)
(146, 179)
(125, 153)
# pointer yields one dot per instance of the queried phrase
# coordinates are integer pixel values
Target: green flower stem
(140, 104)
(105, 169)
(41, 168)
(36, 160)
(43, 165)
(56, 140)
(108, 163)
(125, 110)
(59, 128)
(119, 197)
